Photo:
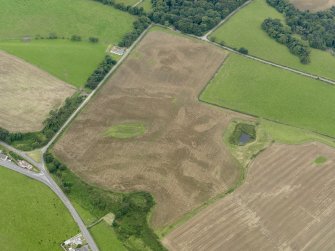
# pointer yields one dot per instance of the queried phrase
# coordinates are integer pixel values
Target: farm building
(118, 50)
(3, 156)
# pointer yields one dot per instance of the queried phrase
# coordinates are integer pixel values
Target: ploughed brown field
(27, 94)
(286, 203)
(181, 159)
(313, 5)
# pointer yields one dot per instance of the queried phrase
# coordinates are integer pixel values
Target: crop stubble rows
(27, 94)
(181, 159)
(313, 5)
(286, 203)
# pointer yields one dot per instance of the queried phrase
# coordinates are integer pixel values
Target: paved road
(44, 175)
(36, 176)
(46, 178)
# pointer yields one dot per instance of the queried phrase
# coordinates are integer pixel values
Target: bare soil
(313, 5)
(27, 94)
(286, 203)
(181, 159)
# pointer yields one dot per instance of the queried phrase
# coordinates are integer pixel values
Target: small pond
(245, 138)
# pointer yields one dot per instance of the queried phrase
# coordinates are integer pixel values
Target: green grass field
(244, 30)
(31, 215)
(146, 4)
(64, 17)
(72, 62)
(268, 92)
(106, 238)
(126, 131)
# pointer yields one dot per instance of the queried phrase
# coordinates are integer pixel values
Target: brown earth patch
(286, 203)
(27, 94)
(313, 5)
(181, 159)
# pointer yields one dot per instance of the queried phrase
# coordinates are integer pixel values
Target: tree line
(194, 17)
(138, 11)
(56, 119)
(100, 72)
(139, 25)
(275, 29)
(317, 28)
(131, 209)
(188, 16)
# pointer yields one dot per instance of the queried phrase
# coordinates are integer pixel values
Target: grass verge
(106, 238)
(65, 18)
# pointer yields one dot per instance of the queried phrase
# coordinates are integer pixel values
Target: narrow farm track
(286, 203)
(75, 113)
(283, 67)
(325, 80)
(45, 177)
(204, 37)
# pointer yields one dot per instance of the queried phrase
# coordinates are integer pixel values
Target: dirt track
(313, 5)
(27, 94)
(181, 158)
(287, 203)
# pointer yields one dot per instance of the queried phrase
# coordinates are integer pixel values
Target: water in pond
(244, 138)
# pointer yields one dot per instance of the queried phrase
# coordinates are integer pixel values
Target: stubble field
(286, 203)
(313, 5)
(27, 94)
(181, 158)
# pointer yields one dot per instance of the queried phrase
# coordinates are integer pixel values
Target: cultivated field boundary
(94, 92)
(254, 57)
(250, 114)
(226, 19)
(44, 175)
(243, 170)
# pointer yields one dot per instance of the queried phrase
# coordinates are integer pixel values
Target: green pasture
(86, 18)
(146, 4)
(244, 30)
(262, 90)
(72, 62)
(31, 215)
